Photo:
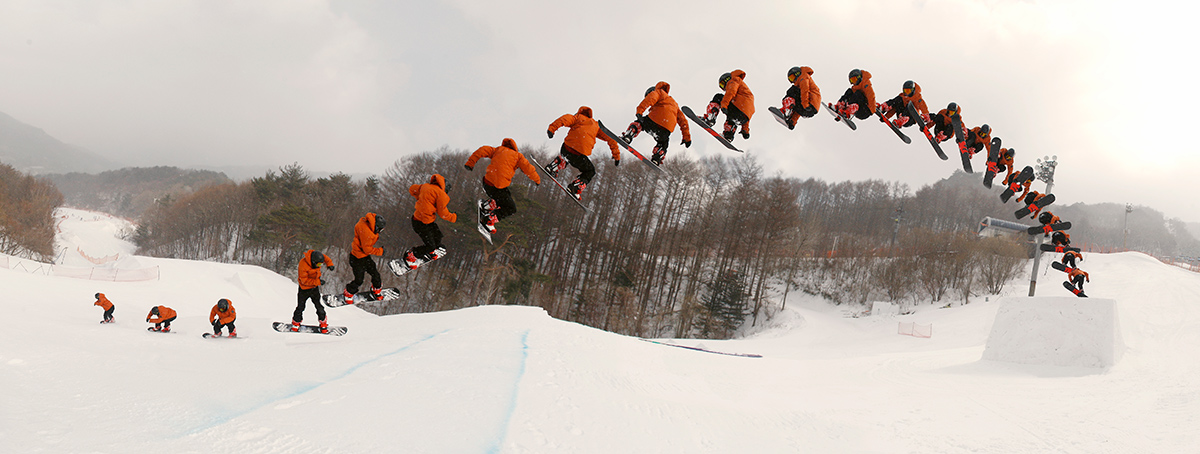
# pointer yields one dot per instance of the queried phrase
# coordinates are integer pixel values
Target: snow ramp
(1056, 331)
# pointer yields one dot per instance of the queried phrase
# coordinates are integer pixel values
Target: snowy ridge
(513, 380)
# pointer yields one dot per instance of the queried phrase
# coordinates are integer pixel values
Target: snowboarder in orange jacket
(736, 101)
(803, 98)
(577, 146)
(108, 306)
(308, 276)
(505, 160)
(659, 121)
(223, 315)
(859, 99)
(432, 202)
(161, 317)
(898, 106)
(366, 234)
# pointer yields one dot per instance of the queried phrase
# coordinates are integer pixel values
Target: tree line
(27, 207)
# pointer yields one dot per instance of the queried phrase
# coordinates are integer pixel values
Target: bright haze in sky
(354, 86)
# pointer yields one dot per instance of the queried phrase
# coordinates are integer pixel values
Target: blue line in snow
(512, 404)
(222, 419)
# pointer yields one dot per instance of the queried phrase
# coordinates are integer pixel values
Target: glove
(639, 117)
(382, 251)
(687, 144)
(616, 163)
(549, 133)
(147, 320)
(331, 268)
(468, 167)
(322, 282)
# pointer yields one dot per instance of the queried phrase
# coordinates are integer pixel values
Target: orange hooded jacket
(581, 138)
(224, 317)
(164, 313)
(664, 111)
(915, 98)
(309, 276)
(431, 200)
(975, 136)
(810, 95)
(864, 85)
(365, 238)
(505, 160)
(1078, 272)
(738, 93)
(103, 301)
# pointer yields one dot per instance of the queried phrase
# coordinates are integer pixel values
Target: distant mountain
(131, 191)
(31, 150)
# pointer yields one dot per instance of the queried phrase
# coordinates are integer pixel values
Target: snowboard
(1074, 290)
(892, 126)
(336, 300)
(399, 267)
(1047, 228)
(966, 157)
(993, 163)
(1038, 205)
(839, 117)
(151, 329)
(1061, 267)
(211, 336)
(778, 116)
(479, 222)
(1015, 183)
(937, 148)
(716, 135)
(960, 133)
(313, 329)
(1060, 249)
(630, 149)
(556, 183)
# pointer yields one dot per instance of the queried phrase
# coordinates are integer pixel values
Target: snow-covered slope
(511, 379)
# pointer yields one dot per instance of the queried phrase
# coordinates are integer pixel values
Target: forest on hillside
(130, 191)
(27, 207)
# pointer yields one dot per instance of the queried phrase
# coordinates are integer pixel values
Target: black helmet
(909, 86)
(222, 304)
(1045, 217)
(380, 223)
(316, 258)
(649, 90)
(952, 108)
(97, 296)
(794, 73)
(154, 310)
(723, 80)
(985, 129)
(855, 75)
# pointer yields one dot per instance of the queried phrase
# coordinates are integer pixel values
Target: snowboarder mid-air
(659, 121)
(1070, 257)
(577, 147)
(736, 101)
(223, 315)
(898, 106)
(161, 317)
(505, 159)
(366, 234)
(1078, 277)
(103, 302)
(978, 139)
(859, 99)
(308, 277)
(803, 98)
(942, 122)
(431, 203)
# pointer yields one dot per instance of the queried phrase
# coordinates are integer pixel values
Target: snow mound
(1056, 331)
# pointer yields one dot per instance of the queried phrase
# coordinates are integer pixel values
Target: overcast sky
(353, 86)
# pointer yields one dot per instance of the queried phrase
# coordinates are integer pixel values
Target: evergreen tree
(725, 305)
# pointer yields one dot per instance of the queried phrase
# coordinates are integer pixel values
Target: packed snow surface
(511, 379)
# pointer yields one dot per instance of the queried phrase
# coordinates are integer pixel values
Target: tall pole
(1045, 172)
(1128, 209)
